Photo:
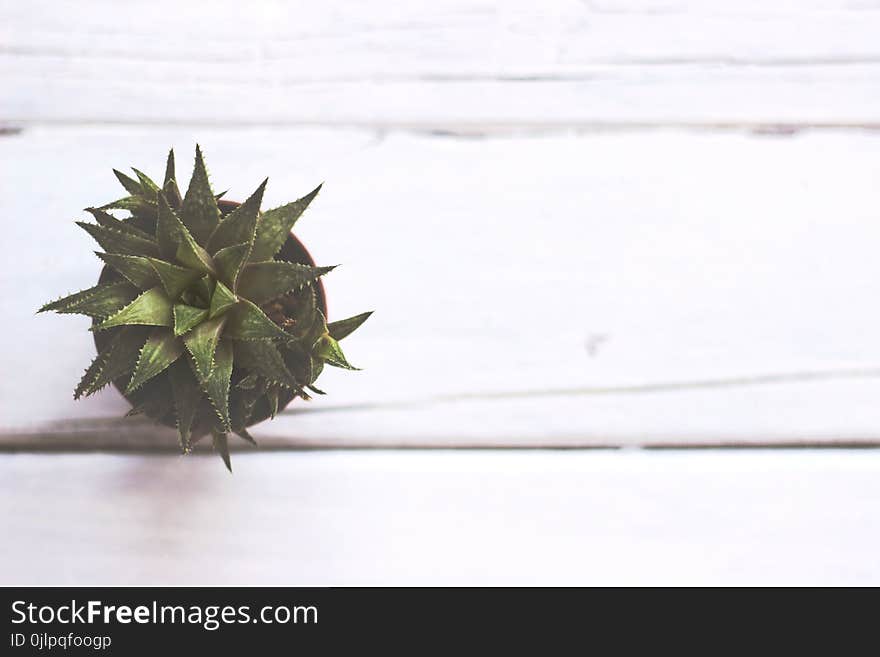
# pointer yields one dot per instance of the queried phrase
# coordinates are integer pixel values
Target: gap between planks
(102, 434)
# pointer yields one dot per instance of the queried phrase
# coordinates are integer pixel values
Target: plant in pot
(209, 315)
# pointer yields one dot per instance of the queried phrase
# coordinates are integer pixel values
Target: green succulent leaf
(317, 368)
(150, 188)
(244, 435)
(107, 220)
(199, 211)
(187, 317)
(115, 240)
(304, 315)
(275, 225)
(174, 279)
(152, 308)
(153, 399)
(328, 349)
(136, 269)
(172, 234)
(204, 290)
(240, 225)
(187, 395)
(243, 402)
(172, 195)
(133, 187)
(86, 384)
(299, 362)
(222, 300)
(221, 446)
(157, 354)
(272, 397)
(217, 384)
(195, 257)
(264, 281)
(135, 204)
(202, 342)
(167, 228)
(345, 327)
(97, 302)
(229, 262)
(189, 280)
(117, 359)
(122, 360)
(169, 184)
(262, 357)
(245, 321)
(317, 330)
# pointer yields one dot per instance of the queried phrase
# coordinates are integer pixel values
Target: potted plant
(209, 315)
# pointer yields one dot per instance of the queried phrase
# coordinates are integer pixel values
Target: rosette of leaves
(198, 321)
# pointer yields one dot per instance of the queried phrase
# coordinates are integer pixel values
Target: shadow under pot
(292, 251)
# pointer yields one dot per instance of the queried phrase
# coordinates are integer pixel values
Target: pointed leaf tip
(152, 308)
(119, 240)
(136, 269)
(244, 435)
(117, 359)
(329, 350)
(107, 220)
(169, 167)
(221, 446)
(98, 302)
(132, 186)
(240, 225)
(186, 394)
(217, 384)
(150, 188)
(199, 212)
(275, 225)
(263, 281)
(345, 327)
(247, 322)
(159, 352)
(169, 184)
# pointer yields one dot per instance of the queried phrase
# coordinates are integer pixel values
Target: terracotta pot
(292, 251)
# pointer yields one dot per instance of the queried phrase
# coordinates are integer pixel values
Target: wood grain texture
(420, 518)
(549, 283)
(556, 257)
(461, 64)
(588, 290)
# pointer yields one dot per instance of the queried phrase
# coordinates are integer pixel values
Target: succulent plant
(198, 320)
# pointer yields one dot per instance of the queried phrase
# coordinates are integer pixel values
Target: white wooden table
(443, 518)
(598, 224)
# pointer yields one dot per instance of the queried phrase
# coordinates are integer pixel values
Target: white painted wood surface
(442, 518)
(554, 282)
(639, 222)
(564, 290)
(457, 64)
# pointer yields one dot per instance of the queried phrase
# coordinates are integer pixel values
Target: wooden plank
(459, 64)
(417, 518)
(584, 290)
(457, 36)
(699, 96)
